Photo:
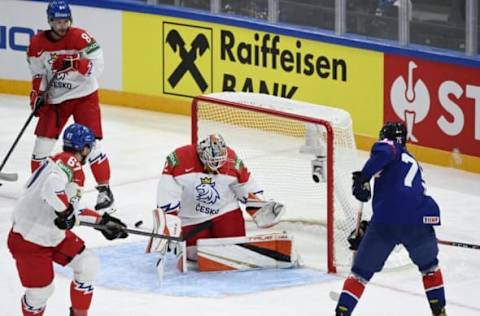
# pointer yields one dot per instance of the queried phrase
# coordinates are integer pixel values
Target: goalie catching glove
(111, 227)
(265, 214)
(38, 97)
(355, 238)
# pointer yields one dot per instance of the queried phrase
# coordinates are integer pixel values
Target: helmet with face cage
(212, 151)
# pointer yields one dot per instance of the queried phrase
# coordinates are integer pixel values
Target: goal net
(285, 144)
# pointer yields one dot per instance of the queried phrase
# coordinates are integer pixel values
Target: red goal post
(198, 101)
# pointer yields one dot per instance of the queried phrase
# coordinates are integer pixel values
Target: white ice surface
(137, 143)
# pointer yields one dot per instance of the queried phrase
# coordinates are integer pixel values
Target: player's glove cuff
(361, 186)
(354, 239)
(66, 219)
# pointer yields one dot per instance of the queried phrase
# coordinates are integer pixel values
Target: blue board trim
(350, 40)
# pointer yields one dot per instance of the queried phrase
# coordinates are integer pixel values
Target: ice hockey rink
(137, 143)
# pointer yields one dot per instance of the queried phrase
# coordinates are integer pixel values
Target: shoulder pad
(387, 146)
(35, 48)
(83, 40)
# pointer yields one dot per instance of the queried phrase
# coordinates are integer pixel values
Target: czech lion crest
(206, 192)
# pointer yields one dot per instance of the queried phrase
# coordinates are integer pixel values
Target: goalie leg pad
(164, 224)
(168, 225)
(274, 250)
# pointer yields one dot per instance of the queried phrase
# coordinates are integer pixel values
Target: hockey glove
(37, 97)
(72, 62)
(361, 187)
(111, 227)
(354, 239)
(66, 219)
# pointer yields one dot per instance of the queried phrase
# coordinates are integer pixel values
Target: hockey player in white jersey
(42, 221)
(207, 186)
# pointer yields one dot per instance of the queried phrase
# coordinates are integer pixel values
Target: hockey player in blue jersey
(402, 214)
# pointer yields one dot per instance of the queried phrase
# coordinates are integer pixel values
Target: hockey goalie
(205, 189)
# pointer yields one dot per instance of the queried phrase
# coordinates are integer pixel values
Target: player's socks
(29, 310)
(35, 163)
(100, 168)
(351, 293)
(101, 171)
(76, 312)
(81, 297)
(433, 284)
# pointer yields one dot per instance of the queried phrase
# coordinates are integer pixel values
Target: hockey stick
(359, 218)
(14, 176)
(458, 244)
(136, 232)
(8, 176)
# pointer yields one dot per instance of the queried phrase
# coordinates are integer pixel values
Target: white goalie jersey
(197, 196)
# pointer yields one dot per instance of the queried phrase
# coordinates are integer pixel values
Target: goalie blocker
(268, 251)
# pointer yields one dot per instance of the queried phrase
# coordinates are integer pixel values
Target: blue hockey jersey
(399, 195)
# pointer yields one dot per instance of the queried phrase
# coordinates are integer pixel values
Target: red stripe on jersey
(433, 280)
(63, 197)
(354, 287)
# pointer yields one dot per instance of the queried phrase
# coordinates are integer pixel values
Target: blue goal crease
(127, 267)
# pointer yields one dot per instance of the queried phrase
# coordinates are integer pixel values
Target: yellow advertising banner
(178, 59)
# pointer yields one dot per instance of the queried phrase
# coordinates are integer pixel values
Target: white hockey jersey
(197, 196)
(42, 52)
(45, 193)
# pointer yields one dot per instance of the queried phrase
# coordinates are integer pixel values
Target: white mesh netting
(279, 152)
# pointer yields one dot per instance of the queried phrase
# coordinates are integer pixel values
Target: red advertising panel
(439, 102)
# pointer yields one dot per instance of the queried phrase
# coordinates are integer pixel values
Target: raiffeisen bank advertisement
(193, 57)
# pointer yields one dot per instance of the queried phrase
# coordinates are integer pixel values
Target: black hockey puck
(138, 224)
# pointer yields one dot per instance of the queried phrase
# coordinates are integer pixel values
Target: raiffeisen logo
(187, 59)
(410, 99)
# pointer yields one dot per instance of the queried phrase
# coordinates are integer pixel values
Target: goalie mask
(212, 152)
(395, 131)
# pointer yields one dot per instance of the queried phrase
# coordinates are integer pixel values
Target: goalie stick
(137, 232)
(14, 176)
